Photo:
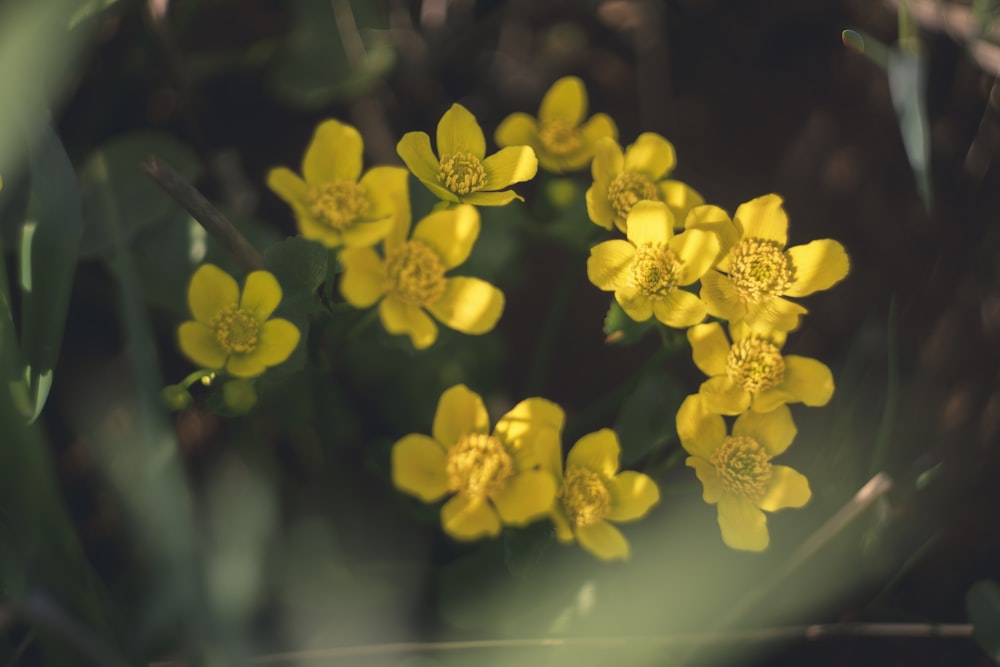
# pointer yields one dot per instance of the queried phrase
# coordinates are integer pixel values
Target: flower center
(415, 274)
(743, 465)
(236, 330)
(462, 173)
(339, 204)
(655, 270)
(755, 364)
(627, 189)
(559, 137)
(584, 496)
(478, 466)
(759, 268)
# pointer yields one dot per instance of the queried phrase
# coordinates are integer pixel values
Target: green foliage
(982, 604)
(646, 419)
(621, 329)
(300, 267)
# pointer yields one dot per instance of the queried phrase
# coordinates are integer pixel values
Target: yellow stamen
(629, 188)
(236, 330)
(462, 173)
(414, 274)
(559, 137)
(339, 204)
(744, 466)
(584, 496)
(655, 270)
(759, 269)
(478, 466)
(755, 364)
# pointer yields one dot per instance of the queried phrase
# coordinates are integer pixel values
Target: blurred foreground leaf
(908, 86)
(982, 603)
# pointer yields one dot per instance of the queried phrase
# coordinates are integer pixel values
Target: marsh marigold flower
(561, 138)
(647, 271)
(593, 494)
(736, 471)
(331, 204)
(621, 180)
(751, 373)
(232, 331)
(409, 281)
(493, 479)
(461, 172)
(755, 270)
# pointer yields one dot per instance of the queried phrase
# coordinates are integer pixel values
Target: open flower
(463, 173)
(592, 494)
(331, 205)
(494, 480)
(736, 471)
(622, 180)
(409, 281)
(646, 271)
(751, 373)
(560, 137)
(232, 330)
(755, 271)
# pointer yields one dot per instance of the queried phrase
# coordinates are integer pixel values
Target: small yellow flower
(755, 271)
(561, 139)
(464, 173)
(736, 470)
(410, 279)
(232, 330)
(331, 205)
(751, 373)
(622, 180)
(647, 271)
(494, 480)
(592, 494)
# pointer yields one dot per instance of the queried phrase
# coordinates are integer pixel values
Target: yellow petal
(466, 519)
(697, 250)
(460, 411)
(774, 313)
(276, 340)
(286, 184)
(561, 524)
(609, 264)
(763, 218)
(526, 497)
(514, 164)
(608, 162)
(484, 198)
(651, 155)
(415, 151)
(402, 318)
(418, 467)
(632, 496)
(459, 132)
(774, 430)
(681, 198)
(199, 344)
(526, 417)
(517, 129)
(314, 230)
(450, 233)
(388, 190)
(713, 219)
(246, 365)
(597, 127)
(261, 295)
(603, 540)
(469, 305)
(211, 291)
(598, 451)
(566, 100)
(366, 234)
(636, 305)
(598, 207)
(679, 309)
(807, 381)
(818, 266)
(363, 280)
(541, 448)
(699, 431)
(744, 527)
(787, 488)
(334, 154)
(650, 222)
(721, 298)
(709, 348)
(711, 483)
(722, 396)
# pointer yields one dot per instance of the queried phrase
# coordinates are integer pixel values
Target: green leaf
(982, 604)
(621, 329)
(908, 86)
(300, 267)
(647, 417)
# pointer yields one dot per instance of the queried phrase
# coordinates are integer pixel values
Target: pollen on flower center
(462, 173)
(478, 466)
(629, 188)
(743, 465)
(755, 364)
(584, 496)
(338, 204)
(655, 270)
(414, 274)
(236, 330)
(559, 137)
(759, 268)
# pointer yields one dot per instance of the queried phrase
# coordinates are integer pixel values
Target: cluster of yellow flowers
(673, 240)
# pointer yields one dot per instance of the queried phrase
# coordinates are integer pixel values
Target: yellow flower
(736, 470)
(646, 271)
(560, 141)
(751, 373)
(232, 330)
(592, 493)
(331, 205)
(755, 270)
(464, 173)
(622, 180)
(494, 480)
(410, 279)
